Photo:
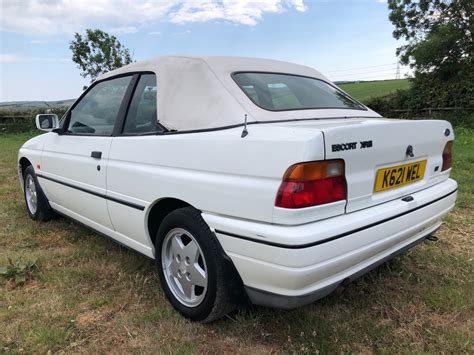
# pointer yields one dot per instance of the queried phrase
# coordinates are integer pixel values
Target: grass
(93, 296)
(369, 89)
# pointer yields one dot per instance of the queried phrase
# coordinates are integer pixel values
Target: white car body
(285, 257)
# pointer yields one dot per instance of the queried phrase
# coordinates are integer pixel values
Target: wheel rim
(184, 267)
(31, 194)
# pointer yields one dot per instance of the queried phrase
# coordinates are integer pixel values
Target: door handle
(97, 155)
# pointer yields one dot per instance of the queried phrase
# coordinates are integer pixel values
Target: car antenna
(245, 132)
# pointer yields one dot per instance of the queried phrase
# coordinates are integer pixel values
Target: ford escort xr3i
(245, 179)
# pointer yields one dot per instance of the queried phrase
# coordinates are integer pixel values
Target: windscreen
(283, 92)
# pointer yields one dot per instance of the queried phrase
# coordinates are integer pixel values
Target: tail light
(447, 156)
(311, 184)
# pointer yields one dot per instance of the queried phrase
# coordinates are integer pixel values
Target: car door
(74, 161)
(127, 169)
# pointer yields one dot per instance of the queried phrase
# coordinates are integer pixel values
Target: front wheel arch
(23, 163)
(43, 211)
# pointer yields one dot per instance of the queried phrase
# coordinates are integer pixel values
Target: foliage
(439, 48)
(387, 103)
(23, 120)
(98, 52)
(438, 32)
(19, 270)
(405, 104)
(398, 99)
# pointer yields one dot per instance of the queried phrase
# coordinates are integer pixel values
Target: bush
(15, 121)
(407, 104)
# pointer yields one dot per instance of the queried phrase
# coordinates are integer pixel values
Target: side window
(97, 111)
(141, 115)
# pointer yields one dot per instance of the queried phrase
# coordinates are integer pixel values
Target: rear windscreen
(282, 92)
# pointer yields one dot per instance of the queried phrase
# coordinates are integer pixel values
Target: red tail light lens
(312, 184)
(447, 156)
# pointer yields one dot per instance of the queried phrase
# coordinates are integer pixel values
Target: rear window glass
(282, 92)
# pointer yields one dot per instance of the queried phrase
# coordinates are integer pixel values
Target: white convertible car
(245, 179)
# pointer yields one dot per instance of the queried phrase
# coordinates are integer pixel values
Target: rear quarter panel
(216, 172)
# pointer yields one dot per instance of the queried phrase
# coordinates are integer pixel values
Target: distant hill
(25, 105)
(365, 90)
(361, 90)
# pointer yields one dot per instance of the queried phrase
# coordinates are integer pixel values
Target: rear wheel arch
(224, 287)
(159, 210)
(162, 208)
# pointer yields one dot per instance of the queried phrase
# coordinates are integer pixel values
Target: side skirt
(102, 234)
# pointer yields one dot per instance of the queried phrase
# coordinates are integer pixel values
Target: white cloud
(66, 16)
(123, 30)
(9, 58)
(245, 12)
(17, 58)
(182, 33)
(155, 33)
(46, 59)
(299, 5)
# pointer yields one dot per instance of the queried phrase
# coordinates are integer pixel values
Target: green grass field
(92, 296)
(367, 90)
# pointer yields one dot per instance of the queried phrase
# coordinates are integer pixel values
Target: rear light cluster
(447, 156)
(312, 184)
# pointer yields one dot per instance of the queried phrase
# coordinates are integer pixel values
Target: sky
(343, 39)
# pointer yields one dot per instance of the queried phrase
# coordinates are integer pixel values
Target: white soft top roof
(199, 92)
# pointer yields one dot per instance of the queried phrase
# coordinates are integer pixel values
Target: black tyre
(36, 202)
(198, 278)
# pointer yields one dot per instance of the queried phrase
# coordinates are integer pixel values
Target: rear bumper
(269, 299)
(288, 266)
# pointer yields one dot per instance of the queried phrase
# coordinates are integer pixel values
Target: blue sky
(344, 39)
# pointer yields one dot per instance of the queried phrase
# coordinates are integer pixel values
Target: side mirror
(47, 122)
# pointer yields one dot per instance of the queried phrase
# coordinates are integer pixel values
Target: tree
(439, 47)
(98, 52)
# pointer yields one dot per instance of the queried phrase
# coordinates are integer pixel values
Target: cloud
(155, 33)
(245, 12)
(47, 59)
(182, 33)
(124, 30)
(9, 58)
(66, 16)
(299, 5)
(16, 58)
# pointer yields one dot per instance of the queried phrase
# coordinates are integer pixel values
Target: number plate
(395, 176)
